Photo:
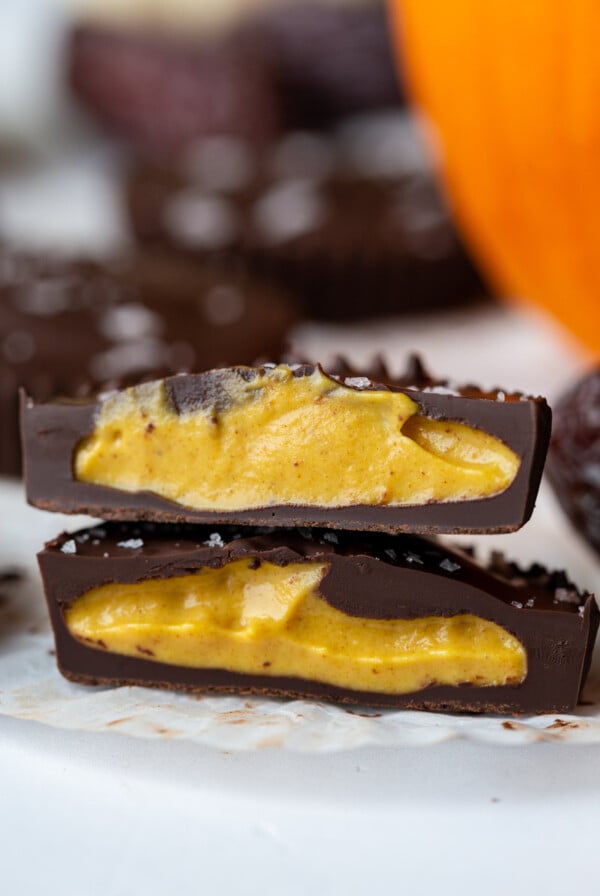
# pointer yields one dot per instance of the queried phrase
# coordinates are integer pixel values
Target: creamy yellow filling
(271, 620)
(282, 439)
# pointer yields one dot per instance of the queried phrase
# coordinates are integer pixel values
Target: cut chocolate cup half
(371, 619)
(291, 445)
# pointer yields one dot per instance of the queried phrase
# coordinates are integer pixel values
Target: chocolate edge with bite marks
(556, 670)
(52, 431)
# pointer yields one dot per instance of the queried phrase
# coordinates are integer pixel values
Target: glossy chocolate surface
(53, 430)
(370, 576)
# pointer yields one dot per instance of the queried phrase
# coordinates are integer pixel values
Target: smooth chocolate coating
(370, 576)
(70, 326)
(52, 431)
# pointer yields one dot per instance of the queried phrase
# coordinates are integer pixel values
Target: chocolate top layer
(132, 544)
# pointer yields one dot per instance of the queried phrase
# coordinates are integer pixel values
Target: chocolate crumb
(562, 723)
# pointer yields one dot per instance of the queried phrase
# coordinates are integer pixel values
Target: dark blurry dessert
(574, 459)
(69, 327)
(352, 224)
(330, 58)
(159, 74)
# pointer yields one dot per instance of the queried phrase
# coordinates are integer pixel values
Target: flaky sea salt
(132, 543)
(413, 558)
(358, 382)
(449, 566)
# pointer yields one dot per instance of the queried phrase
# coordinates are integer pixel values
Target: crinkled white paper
(32, 688)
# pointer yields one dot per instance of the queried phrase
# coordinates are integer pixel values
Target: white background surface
(101, 814)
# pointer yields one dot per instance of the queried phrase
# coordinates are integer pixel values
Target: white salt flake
(69, 547)
(214, 541)
(331, 537)
(358, 382)
(412, 558)
(132, 543)
(440, 390)
(449, 565)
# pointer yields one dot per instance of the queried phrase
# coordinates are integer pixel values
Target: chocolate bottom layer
(373, 577)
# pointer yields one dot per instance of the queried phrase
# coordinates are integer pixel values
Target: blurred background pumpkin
(512, 89)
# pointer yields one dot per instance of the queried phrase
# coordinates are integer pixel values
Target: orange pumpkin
(513, 87)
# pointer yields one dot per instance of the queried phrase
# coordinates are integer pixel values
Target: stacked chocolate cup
(265, 533)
